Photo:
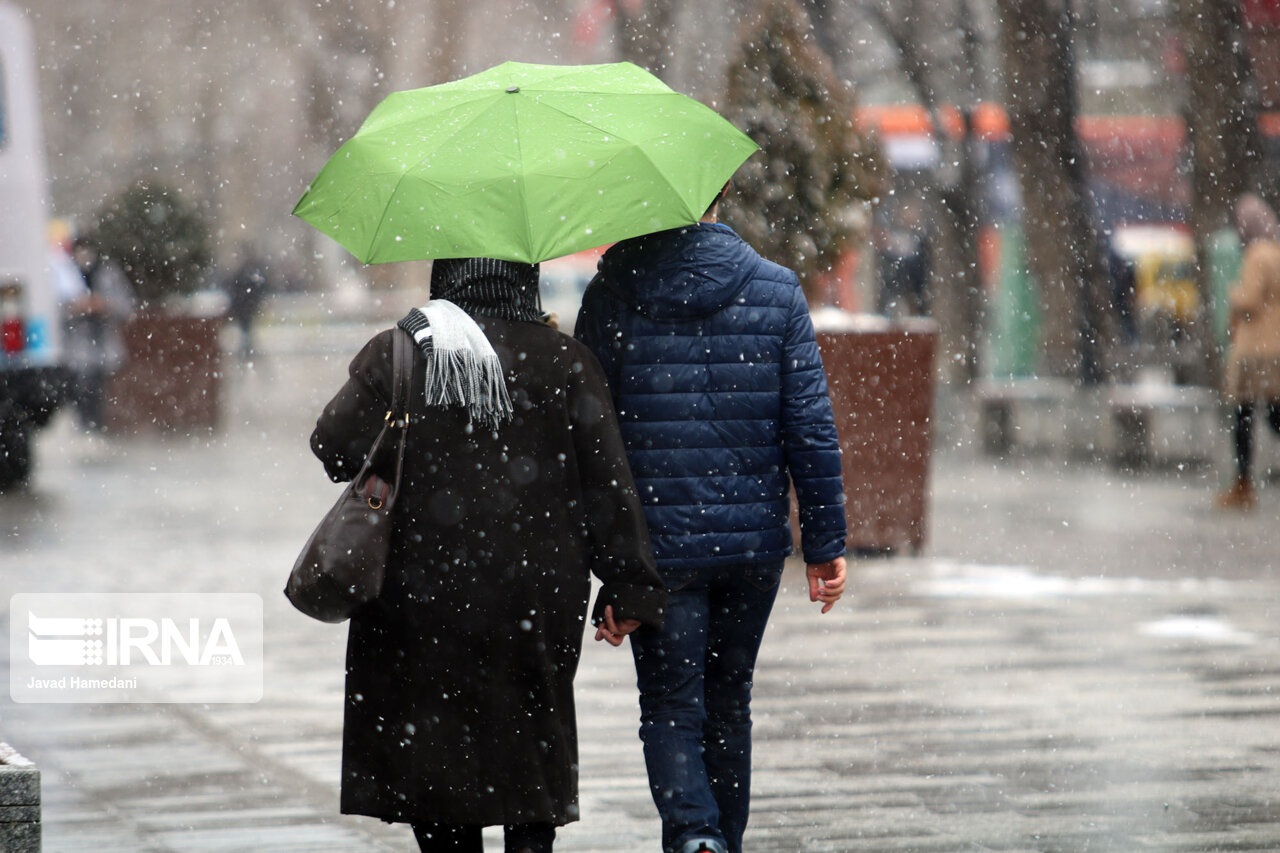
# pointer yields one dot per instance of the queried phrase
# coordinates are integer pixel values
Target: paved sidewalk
(1082, 660)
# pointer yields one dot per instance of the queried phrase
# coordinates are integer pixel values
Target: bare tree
(1064, 252)
(644, 32)
(1223, 133)
(792, 201)
(953, 192)
(823, 16)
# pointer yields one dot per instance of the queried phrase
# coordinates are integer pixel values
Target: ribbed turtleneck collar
(488, 287)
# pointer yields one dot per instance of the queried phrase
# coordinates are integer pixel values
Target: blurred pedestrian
(515, 487)
(68, 282)
(1253, 359)
(712, 362)
(95, 320)
(904, 264)
(246, 288)
(1124, 288)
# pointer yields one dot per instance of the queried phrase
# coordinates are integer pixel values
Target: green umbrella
(524, 163)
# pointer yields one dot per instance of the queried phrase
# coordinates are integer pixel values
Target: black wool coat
(459, 693)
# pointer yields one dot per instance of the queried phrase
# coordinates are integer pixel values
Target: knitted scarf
(487, 287)
(462, 367)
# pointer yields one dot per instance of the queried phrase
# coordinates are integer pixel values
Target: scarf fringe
(461, 365)
(470, 379)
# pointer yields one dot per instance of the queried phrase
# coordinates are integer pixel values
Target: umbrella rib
(637, 146)
(382, 219)
(571, 70)
(404, 173)
(551, 106)
(467, 179)
(598, 129)
(524, 196)
(477, 116)
(409, 119)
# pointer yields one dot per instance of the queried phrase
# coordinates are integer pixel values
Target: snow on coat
(715, 371)
(459, 694)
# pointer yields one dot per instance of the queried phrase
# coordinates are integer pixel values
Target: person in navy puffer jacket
(711, 360)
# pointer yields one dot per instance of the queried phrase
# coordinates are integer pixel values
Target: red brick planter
(172, 376)
(881, 378)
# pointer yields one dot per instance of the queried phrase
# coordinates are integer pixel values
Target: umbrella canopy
(524, 163)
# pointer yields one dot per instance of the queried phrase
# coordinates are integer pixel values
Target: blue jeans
(695, 699)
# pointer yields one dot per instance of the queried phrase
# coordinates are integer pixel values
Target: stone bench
(1024, 415)
(19, 803)
(1148, 423)
(1162, 424)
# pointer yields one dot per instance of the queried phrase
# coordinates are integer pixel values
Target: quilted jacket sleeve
(621, 553)
(809, 439)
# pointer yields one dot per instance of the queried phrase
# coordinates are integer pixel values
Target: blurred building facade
(239, 103)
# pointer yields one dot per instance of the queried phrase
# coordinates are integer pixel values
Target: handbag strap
(395, 427)
(401, 371)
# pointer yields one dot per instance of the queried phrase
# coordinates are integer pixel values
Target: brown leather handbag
(343, 563)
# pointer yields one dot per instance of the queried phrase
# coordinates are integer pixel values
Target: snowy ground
(1081, 659)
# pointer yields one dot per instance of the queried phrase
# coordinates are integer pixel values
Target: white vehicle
(31, 374)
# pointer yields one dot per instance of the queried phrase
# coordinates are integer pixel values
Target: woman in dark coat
(459, 698)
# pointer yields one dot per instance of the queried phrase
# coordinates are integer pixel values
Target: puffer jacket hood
(714, 370)
(683, 274)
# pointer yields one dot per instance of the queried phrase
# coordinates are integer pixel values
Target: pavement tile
(1080, 661)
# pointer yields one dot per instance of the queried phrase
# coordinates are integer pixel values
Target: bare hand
(612, 632)
(826, 582)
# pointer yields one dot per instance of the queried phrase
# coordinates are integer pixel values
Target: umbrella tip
(513, 89)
